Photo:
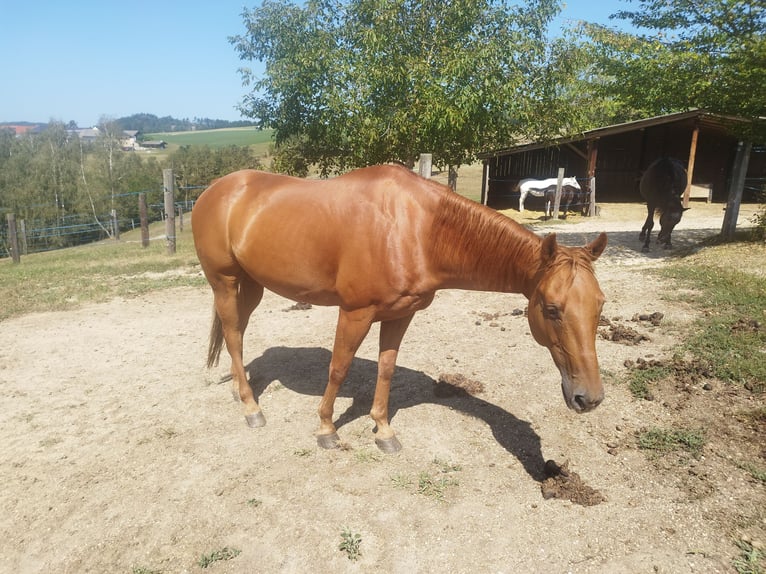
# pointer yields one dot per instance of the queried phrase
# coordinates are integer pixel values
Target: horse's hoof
(328, 441)
(255, 420)
(389, 445)
(645, 249)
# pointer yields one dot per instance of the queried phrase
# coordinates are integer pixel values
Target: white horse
(539, 187)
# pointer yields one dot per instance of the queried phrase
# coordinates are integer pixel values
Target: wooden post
(485, 183)
(690, 168)
(142, 214)
(592, 159)
(23, 238)
(180, 218)
(557, 202)
(736, 187)
(170, 215)
(13, 238)
(424, 167)
(115, 225)
(452, 177)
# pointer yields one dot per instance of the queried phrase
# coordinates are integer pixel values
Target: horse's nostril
(581, 403)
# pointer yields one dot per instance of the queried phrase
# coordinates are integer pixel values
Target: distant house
(129, 141)
(154, 144)
(86, 135)
(21, 129)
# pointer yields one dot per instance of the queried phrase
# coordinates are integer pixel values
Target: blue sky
(84, 59)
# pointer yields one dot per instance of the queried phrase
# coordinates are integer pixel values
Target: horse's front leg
(646, 230)
(353, 327)
(522, 197)
(391, 334)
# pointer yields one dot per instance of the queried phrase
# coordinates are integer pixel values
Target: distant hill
(146, 123)
(149, 123)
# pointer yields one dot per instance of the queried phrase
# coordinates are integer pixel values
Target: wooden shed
(616, 156)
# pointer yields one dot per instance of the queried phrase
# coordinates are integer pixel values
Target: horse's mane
(483, 243)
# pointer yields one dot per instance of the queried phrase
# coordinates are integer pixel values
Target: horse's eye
(552, 312)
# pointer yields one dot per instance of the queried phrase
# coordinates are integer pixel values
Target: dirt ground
(122, 453)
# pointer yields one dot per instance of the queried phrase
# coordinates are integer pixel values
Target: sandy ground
(122, 453)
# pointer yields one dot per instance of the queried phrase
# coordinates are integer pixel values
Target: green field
(260, 139)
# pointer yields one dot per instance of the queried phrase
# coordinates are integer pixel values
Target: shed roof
(701, 117)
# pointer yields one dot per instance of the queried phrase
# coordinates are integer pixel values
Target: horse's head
(669, 218)
(564, 311)
(571, 181)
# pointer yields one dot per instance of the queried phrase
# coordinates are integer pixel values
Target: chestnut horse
(378, 242)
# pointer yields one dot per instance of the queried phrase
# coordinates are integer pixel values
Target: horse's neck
(476, 248)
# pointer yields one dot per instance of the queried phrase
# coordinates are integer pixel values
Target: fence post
(557, 201)
(424, 167)
(170, 215)
(736, 187)
(23, 239)
(115, 225)
(13, 237)
(180, 218)
(142, 214)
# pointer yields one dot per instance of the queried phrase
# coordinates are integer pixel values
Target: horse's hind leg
(391, 334)
(235, 300)
(353, 327)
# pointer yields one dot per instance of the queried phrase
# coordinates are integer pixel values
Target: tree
(707, 54)
(367, 81)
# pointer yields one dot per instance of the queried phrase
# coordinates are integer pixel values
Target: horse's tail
(216, 341)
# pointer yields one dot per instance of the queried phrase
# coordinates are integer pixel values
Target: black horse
(662, 186)
(572, 198)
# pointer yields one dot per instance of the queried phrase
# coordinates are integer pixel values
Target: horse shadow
(304, 370)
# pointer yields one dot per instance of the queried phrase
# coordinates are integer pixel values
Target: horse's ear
(548, 248)
(597, 246)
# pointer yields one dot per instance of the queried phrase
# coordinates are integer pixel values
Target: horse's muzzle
(582, 401)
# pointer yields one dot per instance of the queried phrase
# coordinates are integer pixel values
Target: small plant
(303, 452)
(142, 570)
(663, 441)
(224, 553)
(434, 486)
(350, 543)
(429, 483)
(254, 503)
(757, 473)
(367, 456)
(750, 560)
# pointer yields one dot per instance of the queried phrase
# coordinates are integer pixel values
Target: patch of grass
(254, 502)
(755, 471)
(431, 483)
(367, 456)
(67, 278)
(142, 570)
(750, 559)
(640, 379)
(435, 486)
(350, 544)
(732, 337)
(225, 553)
(663, 441)
(303, 452)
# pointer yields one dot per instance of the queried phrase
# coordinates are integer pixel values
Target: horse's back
(311, 239)
(664, 179)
